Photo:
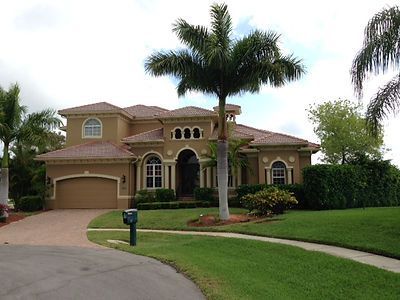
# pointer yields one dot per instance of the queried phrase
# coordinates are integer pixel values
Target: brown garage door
(86, 192)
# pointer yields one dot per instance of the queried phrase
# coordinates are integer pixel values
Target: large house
(112, 152)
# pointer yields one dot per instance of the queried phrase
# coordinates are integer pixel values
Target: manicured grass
(372, 229)
(240, 269)
(157, 219)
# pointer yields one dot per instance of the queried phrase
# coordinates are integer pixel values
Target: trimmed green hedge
(373, 183)
(172, 205)
(165, 195)
(29, 203)
(204, 194)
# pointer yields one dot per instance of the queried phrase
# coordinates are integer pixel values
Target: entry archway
(188, 173)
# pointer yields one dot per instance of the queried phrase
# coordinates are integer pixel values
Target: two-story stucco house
(113, 152)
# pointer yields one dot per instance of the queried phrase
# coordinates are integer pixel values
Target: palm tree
(216, 64)
(380, 50)
(17, 127)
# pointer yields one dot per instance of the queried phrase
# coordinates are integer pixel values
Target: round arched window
(153, 172)
(196, 133)
(278, 173)
(178, 134)
(92, 128)
(186, 133)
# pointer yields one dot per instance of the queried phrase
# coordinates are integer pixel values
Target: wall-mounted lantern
(123, 178)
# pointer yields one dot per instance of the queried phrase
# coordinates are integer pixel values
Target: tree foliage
(343, 133)
(216, 63)
(379, 52)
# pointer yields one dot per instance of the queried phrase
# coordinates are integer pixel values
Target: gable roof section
(144, 111)
(148, 136)
(187, 111)
(90, 150)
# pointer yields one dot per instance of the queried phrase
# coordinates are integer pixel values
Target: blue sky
(68, 53)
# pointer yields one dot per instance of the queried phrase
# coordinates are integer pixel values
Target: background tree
(216, 64)
(17, 128)
(343, 133)
(380, 50)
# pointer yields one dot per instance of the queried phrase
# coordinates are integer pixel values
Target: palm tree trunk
(222, 162)
(4, 178)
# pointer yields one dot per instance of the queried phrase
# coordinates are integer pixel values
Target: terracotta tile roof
(187, 111)
(144, 111)
(90, 150)
(148, 136)
(228, 107)
(95, 107)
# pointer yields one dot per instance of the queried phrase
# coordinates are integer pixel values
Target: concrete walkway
(382, 262)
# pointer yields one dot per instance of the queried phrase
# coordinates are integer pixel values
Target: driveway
(47, 256)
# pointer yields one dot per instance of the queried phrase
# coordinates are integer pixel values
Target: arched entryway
(188, 173)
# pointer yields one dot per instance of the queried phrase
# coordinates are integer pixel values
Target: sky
(68, 53)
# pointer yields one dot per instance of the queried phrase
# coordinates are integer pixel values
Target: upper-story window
(178, 134)
(92, 128)
(196, 133)
(186, 133)
(278, 173)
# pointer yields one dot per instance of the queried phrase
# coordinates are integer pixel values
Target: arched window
(196, 133)
(278, 173)
(92, 128)
(178, 133)
(186, 133)
(153, 172)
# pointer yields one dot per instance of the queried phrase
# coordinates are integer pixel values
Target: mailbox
(129, 216)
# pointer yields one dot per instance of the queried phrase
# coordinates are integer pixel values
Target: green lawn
(240, 269)
(371, 229)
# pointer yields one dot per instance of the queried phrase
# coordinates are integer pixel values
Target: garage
(86, 192)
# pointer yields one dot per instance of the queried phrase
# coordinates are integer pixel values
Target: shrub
(145, 196)
(234, 202)
(3, 209)
(29, 203)
(271, 199)
(204, 194)
(169, 205)
(165, 195)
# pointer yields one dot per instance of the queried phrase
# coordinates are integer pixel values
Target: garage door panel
(87, 192)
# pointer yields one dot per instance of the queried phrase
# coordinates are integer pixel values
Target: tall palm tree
(17, 127)
(217, 64)
(380, 50)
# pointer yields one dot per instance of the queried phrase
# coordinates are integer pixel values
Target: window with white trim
(153, 172)
(278, 173)
(92, 128)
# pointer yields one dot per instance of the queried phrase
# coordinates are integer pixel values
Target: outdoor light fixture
(123, 178)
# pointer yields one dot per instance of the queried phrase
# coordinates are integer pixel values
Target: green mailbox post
(130, 217)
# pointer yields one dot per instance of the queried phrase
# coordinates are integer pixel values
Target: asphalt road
(59, 272)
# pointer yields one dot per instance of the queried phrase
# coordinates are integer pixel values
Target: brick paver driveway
(47, 256)
(62, 227)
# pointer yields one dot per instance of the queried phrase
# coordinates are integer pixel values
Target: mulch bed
(13, 217)
(210, 220)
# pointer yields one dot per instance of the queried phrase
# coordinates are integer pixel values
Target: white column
(201, 176)
(268, 175)
(214, 177)
(166, 176)
(208, 170)
(138, 176)
(289, 175)
(173, 177)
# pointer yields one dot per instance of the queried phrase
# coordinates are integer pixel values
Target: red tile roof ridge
(91, 104)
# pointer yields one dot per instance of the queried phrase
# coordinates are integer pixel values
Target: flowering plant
(3, 209)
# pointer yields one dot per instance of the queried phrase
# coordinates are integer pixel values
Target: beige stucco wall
(82, 169)
(139, 126)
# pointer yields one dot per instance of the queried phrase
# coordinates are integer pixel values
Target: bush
(170, 205)
(204, 194)
(367, 183)
(29, 203)
(269, 200)
(165, 195)
(145, 196)
(296, 189)
(234, 202)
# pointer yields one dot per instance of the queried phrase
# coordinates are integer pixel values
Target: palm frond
(195, 37)
(381, 47)
(386, 100)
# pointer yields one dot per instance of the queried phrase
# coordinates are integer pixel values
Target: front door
(189, 173)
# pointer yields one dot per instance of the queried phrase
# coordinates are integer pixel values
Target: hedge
(165, 195)
(204, 194)
(172, 205)
(29, 203)
(374, 183)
